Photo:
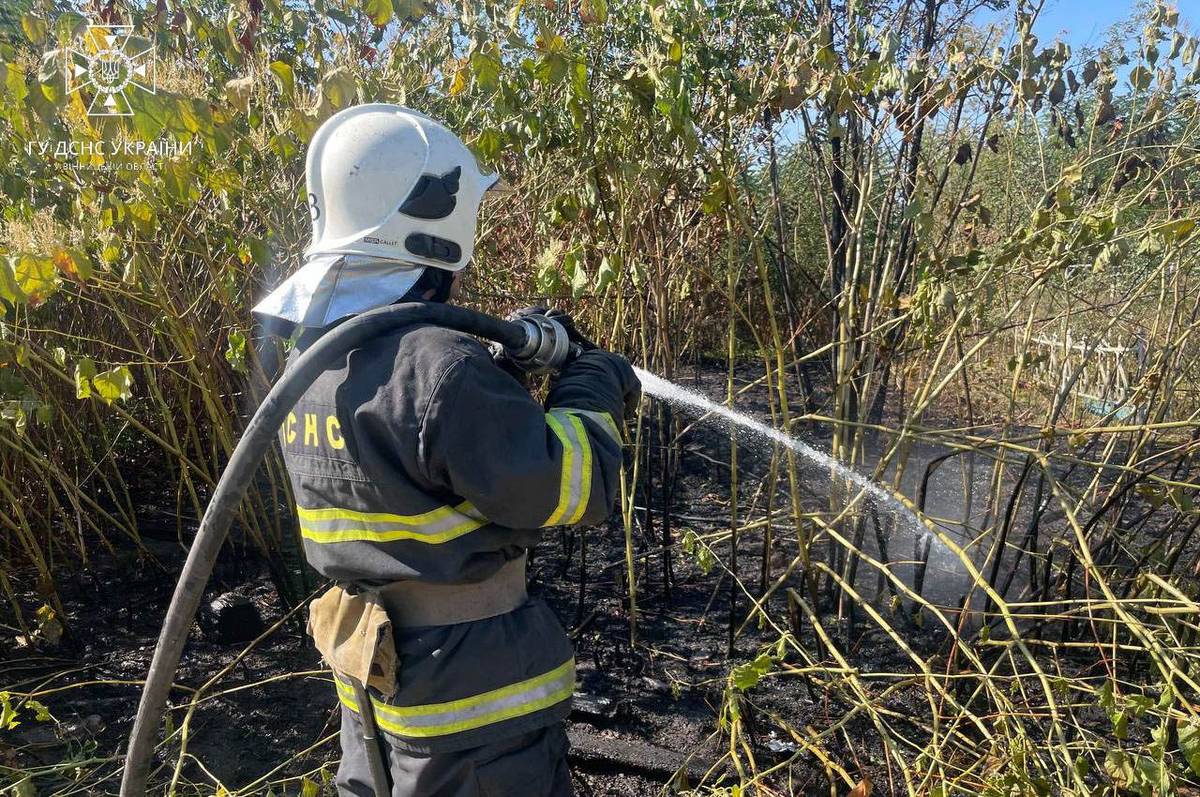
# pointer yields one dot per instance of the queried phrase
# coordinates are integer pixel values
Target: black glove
(597, 380)
(516, 315)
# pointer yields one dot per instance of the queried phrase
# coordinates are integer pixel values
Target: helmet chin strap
(445, 283)
(438, 280)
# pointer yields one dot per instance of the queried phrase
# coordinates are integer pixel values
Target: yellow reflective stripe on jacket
(454, 716)
(575, 487)
(334, 524)
(605, 421)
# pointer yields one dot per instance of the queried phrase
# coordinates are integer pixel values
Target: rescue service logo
(106, 67)
(110, 62)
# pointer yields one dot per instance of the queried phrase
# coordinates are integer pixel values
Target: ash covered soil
(645, 718)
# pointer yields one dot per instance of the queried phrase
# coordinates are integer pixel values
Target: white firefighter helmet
(388, 182)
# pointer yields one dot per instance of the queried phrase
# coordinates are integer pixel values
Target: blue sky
(1085, 23)
(1081, 22)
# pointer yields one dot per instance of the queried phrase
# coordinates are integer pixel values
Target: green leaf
(193, 115)
(339, 87)
(1177, 228)
(134, 267)
(716, 197)
(572, 266)
(485, 66)
(1189, 744)
(564, 209)
(10, 291)
(256, 250)
(1105, 698)
(1140, 704)
(85, 369)
(8, 712)
(34, 28)
(380, 11)
(1118, 767)
(48, 628)
(1151, 244)
(36, 277)
(309, 788)
(337, 15)
(1140, 77)
(610, 268)
(579, 80)
(283, 146)
(235, 352)
(488, 144)
(284, 77)
(746, 676)
(143, 217)
(411, 10)
(1120, 722)
(14, 83)
(68, 25)
(114, 384)
(151, 113)
(551, 68)
(675, 51)
(579, 280)
(1109, 256)
(458, 82)
(689, 541)
(14, 413)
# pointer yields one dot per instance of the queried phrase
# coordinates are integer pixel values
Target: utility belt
(353, 631)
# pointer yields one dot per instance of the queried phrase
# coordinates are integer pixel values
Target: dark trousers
(532, 764)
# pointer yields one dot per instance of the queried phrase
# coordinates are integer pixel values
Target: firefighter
(424, 472)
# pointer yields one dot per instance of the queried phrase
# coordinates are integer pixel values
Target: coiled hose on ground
(248, 455)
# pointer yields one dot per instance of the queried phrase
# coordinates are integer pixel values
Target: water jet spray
(669, 391)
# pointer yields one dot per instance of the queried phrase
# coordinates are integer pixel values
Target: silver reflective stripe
(575, 486)
(336, 524)
(602, 418)
(454, 716)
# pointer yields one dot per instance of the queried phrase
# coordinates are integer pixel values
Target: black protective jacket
(417, 457)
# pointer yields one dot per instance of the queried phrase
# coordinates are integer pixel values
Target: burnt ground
(641, 714)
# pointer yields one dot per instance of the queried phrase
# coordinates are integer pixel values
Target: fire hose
(537, 343)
